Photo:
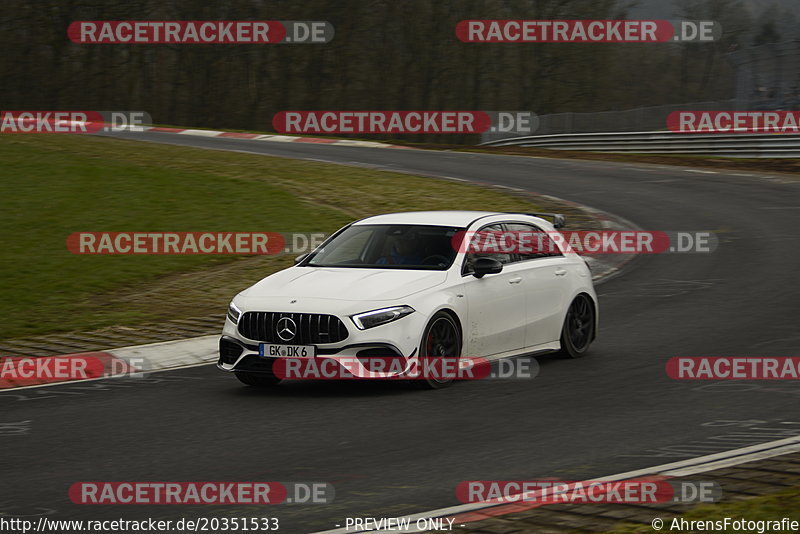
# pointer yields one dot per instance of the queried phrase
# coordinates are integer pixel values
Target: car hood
(345, 283)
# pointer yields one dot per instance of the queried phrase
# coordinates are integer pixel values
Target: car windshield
(389, 246)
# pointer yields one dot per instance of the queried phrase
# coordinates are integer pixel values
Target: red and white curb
(470, 513)
(124, 361)
(270, 138)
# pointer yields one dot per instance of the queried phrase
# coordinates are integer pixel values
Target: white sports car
(412, 287)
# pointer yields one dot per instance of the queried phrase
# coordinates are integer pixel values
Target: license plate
(268, 350)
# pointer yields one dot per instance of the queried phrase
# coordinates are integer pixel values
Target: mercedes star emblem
(286, 328)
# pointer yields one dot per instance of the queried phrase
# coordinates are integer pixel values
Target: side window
(486, 244)
(532, 242)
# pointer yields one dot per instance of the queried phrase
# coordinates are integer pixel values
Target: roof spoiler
(559, 221)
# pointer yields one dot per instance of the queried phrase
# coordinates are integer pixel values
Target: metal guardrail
(732, 145)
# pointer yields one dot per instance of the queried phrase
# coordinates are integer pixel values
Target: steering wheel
(435, 259)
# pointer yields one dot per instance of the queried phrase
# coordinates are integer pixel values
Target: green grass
(772, 507)
(51, 186)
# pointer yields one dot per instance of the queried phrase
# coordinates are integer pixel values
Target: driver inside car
(404, 251)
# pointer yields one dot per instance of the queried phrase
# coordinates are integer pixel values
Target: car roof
(460, 219)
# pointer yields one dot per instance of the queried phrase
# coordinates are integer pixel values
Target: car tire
(261, 380)
(441, 338)
(577, 332)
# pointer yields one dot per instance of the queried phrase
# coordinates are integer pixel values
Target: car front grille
(292, 328)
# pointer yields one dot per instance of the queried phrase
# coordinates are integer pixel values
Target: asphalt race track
(390, 450)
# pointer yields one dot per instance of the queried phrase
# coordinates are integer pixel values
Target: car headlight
(234, 313)
(378, 317)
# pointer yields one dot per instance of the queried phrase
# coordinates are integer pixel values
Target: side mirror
(484, 266)
(300, 258)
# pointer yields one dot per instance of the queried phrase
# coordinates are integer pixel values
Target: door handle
(515, 280)
(561, 272)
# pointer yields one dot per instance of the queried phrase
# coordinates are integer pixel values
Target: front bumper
(356, 361)
(363, 353)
